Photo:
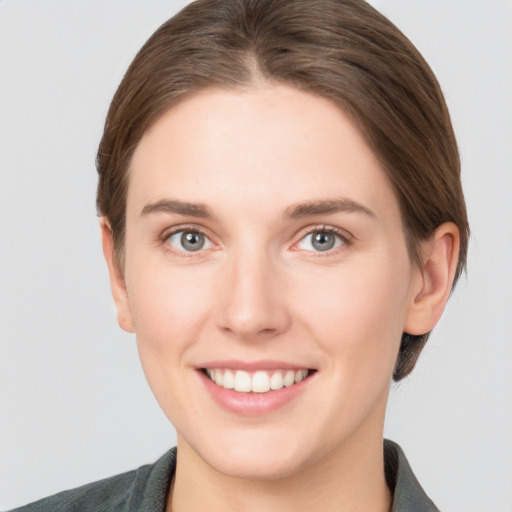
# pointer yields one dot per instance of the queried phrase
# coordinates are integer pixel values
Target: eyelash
(345, 237)
(183, 229)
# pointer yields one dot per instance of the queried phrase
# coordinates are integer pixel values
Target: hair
(343, 50)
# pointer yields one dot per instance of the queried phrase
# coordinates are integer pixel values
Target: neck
(349, 478)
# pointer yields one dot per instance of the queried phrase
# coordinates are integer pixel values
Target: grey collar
(408, 495)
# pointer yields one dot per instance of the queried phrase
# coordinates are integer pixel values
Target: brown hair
(343, 50)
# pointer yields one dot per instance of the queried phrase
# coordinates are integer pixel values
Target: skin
(259, 290)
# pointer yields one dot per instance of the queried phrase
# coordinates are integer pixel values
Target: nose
(252, 299)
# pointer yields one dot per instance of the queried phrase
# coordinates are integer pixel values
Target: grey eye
(189, 241)
(321, 241)
(192, 241)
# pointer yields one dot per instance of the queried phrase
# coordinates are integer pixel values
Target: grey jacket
(145, 489)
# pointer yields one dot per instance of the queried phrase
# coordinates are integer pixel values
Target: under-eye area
(261, 381)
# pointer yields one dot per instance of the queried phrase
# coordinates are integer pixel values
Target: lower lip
(253, 404)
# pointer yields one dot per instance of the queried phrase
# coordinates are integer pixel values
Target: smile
(261, 381)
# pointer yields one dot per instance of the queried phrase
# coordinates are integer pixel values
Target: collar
(407, 492)
(154, 482)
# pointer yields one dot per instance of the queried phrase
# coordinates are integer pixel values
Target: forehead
(271, 145)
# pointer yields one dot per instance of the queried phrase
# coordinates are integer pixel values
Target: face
(264, 251)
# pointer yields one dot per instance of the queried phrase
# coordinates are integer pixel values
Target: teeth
(218, 377)
(289, 378)
(276, 381)
(258, 382)
(242, 382)
(300, 375)
(229, 380)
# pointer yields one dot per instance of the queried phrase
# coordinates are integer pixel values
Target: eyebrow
(326, 207)
(295, 211)
(178, 207)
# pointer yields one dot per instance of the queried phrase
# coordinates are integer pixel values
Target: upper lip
(250, 366)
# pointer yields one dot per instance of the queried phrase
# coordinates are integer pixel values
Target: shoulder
(105, 495)
(144, 489)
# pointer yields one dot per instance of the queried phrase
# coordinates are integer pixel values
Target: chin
(256, 455)
(253, 464)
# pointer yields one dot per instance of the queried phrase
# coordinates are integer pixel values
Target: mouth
(259, 381)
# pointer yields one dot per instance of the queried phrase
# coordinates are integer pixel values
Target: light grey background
(74, 404)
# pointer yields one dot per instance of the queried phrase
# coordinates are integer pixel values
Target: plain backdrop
(74, 404)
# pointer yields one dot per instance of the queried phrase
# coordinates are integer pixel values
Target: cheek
(168, 306)
(356, 314)
(170, 309)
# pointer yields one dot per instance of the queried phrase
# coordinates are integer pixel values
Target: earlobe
(434, 280)
(117, 282)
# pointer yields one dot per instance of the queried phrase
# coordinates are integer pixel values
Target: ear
(433, 282)
(117, 283)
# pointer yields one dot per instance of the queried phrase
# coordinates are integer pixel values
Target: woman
(283, 222)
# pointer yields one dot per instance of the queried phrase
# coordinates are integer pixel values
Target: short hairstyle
(342, 50)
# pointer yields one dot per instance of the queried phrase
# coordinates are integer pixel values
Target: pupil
(192, 241)
(323, 241)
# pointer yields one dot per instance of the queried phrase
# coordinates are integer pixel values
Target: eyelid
(346, 237)
(167, 233)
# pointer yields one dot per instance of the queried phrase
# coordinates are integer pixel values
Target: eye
(189, 241)
(321, 241)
